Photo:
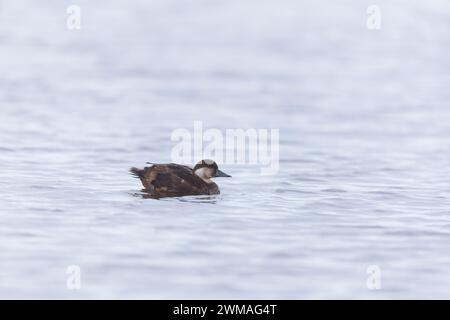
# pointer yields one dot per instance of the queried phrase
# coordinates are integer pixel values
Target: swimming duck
(175, 180)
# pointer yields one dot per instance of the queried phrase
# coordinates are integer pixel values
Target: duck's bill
(221, 174)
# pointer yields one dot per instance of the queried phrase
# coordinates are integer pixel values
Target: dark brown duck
(175, 180)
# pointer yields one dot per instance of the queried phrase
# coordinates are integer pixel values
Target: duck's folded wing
(170, 183)
(176, 180)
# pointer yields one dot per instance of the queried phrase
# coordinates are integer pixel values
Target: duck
(176, 180)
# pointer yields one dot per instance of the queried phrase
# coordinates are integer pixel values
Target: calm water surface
(364, 121)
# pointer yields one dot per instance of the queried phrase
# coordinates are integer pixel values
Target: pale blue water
(364, 125)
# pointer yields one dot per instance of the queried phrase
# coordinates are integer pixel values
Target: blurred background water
(364, 125)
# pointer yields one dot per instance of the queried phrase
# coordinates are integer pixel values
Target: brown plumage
(174, 180)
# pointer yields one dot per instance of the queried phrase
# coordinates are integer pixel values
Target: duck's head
(207, 169)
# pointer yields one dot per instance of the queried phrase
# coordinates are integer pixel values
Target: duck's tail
(137, 173)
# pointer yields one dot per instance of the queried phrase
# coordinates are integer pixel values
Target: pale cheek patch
(205, 174)
(201, 173)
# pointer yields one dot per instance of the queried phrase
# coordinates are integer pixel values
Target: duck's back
(172, 180)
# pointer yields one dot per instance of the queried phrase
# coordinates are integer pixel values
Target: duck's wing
(172, 180)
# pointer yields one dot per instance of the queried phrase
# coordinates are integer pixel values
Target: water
(364, 146)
